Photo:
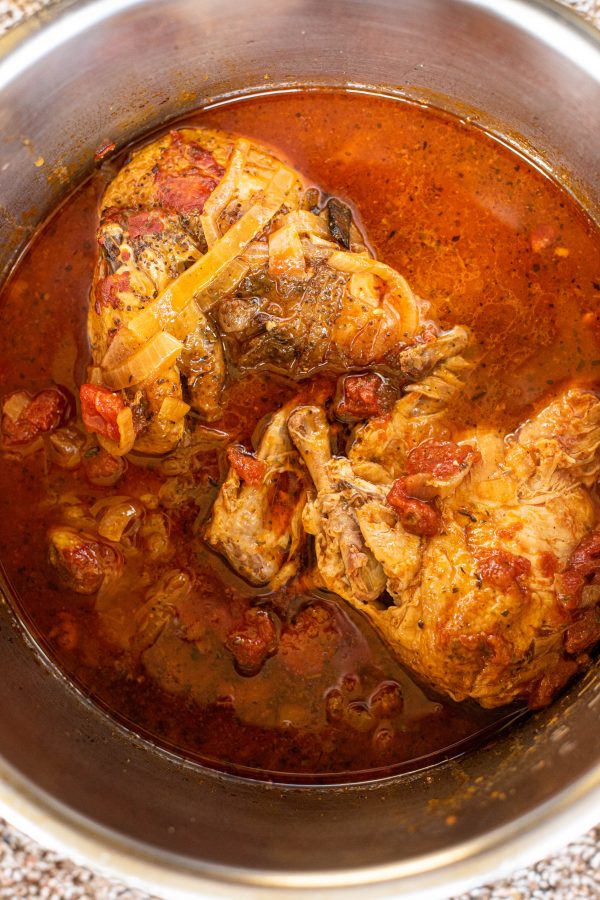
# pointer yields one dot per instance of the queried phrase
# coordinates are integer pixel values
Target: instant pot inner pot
(100, 72)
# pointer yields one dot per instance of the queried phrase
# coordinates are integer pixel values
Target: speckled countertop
(29, 870)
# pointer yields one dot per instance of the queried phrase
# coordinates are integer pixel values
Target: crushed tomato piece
(442, 459)
(144, 223)
(185, 193)
(503, 569)
(44, 413)
(416, 516)
(99, 410)
(543, 691)
(252, 641)
(583, 633)
(248, 467)
(186, 176)
(364, 396)
(583, 563)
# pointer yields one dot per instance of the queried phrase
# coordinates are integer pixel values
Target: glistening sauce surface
(491, 243)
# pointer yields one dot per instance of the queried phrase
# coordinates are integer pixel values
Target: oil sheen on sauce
(491, 243)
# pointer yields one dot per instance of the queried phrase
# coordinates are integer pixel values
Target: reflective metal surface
(90, 73)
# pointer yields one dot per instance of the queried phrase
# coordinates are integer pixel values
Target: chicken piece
(164, 213)
(500, 604)
(141, 254)
(202, 238)
(381, 445)
(256, 517)
(344, 562)
(340, 310)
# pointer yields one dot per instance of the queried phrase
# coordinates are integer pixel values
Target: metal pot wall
(87, 73)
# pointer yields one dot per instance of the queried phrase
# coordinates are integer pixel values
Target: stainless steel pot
(88, 73)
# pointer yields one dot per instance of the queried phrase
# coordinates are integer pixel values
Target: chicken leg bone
(344, 561)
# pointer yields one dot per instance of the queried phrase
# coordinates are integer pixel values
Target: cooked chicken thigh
(163, 220)
(205, 238)
(499, 599)
(344, 562)
(381, 445)
(256, 517)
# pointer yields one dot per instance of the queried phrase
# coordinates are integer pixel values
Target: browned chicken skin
(256, 523)
(207, 244)
(499, 603)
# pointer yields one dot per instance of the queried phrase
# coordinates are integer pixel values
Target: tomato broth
(480, 234)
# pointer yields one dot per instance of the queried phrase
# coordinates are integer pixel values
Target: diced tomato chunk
(101, 468)
(416, 516)
(442, 459)
(248, 467)
(503, 569)
(584, 563)
(252, 641)
(99, 410)
(41, 414)
(584, 632)
(364, 396)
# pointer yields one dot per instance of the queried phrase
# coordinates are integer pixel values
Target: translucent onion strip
(307, 223)
(224, 191)
(158, 354)
(173, 409)
(15, 405)
(399, 289)
(126, 435)
(198, 278)
(286, 256)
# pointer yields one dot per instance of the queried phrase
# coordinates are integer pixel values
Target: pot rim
(495, 854)
(428, 877)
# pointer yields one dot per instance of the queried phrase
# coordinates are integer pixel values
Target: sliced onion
(66, 447)
(94, 375)
(123, 345)
(126, 432)
(362, 285)
(400, 293)
(254, 257)
(187, 321)
(198, 278)
(286, 256)
(15, 405)
(308, 223)
(158, 354)
(230, 278)
(256, 254)
(117, 517)
(173, 409)
(224, 191)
